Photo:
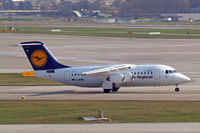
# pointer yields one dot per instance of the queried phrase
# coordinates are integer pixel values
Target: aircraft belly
(144, 82)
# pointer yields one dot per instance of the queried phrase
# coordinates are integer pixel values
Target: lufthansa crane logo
(39, 58)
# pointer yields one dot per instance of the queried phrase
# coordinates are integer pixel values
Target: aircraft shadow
(65, 92)
(91, 92)
(95, 92)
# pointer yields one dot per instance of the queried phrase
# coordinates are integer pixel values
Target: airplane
(109, 77)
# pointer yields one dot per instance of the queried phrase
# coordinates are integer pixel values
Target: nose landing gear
(177, 89)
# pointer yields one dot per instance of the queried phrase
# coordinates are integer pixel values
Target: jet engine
(117, 78)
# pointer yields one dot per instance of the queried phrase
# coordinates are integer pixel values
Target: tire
(107, 90)
(177, 90)
(115, 89)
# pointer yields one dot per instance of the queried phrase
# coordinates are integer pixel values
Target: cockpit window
(166, 71)
(174, 71)
(170, 71)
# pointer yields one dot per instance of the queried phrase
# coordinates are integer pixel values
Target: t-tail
(40, 57)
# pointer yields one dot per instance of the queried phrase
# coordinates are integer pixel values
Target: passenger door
(67, 76)
(156, 74)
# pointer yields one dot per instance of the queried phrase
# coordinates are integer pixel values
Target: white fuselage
(144, 75)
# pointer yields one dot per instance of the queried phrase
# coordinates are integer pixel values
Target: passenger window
(141, 72)
(72, 74)
(138, 73)
(50, 71)
(144, 72)
(135, 73)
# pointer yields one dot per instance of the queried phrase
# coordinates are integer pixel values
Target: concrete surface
(182, 54)
(187, 93)
(103, 128)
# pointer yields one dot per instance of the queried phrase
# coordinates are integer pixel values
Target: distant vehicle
(109, 77)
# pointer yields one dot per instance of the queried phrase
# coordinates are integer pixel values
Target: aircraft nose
(183, 78)
(186, 79)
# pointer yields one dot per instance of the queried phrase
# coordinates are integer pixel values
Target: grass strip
(111, 32)
(16, 79)
(18, 112)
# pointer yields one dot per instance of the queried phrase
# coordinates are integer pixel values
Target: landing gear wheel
(107, 90)
(176, 89)
(115, 89)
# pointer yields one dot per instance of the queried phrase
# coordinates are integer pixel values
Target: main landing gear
(106, 90)
(176, 89)
(109, 86)
(109, 90)
(115, 88)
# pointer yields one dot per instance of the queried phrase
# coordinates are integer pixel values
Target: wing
(107, 69)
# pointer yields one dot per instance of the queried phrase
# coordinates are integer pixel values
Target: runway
(187, 93)
(103, 128)
(182, 54)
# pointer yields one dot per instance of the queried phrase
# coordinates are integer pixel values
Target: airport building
(182, 16)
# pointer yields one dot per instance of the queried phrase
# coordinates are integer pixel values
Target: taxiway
(182, 54)
(103, 128)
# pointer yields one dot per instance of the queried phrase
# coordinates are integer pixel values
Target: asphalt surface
(182, 54)
(103, 128)
(187, 93)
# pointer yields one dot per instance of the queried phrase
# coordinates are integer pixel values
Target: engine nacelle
(117, 78)
(129, 77)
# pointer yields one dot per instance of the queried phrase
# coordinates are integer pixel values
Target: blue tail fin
(40, 57)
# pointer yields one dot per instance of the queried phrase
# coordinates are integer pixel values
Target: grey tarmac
(182, 54)
(187, 93)
(103, 128)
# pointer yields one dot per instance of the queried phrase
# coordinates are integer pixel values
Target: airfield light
(23, 98)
